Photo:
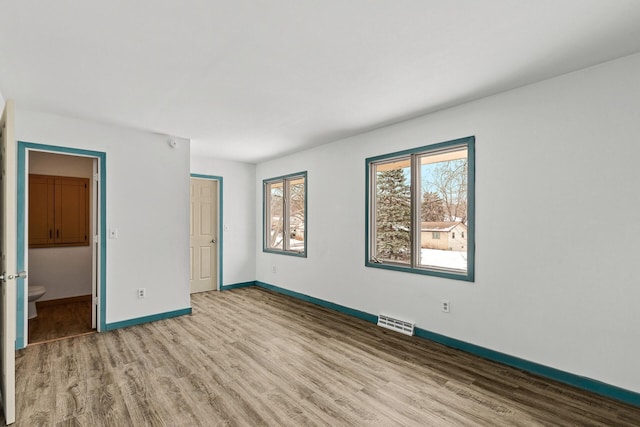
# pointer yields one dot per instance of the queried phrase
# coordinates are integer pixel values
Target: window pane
(284, 207)
(393, 211)
(275, 220)
(421, 210)
(296, 214)
(443, 209)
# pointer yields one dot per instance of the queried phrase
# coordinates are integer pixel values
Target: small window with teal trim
(421, 209)
(285, 214)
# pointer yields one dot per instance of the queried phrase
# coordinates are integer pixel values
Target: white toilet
(35, 292)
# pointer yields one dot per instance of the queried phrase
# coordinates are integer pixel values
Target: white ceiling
(249, 80)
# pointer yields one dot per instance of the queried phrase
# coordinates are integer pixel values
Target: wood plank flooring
(61, 318)
(250, 357)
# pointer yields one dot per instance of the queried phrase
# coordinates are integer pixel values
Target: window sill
(444, 273)
(290, 253)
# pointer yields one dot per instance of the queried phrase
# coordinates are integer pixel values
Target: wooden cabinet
(58, 211)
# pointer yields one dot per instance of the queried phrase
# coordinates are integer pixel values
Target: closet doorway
(205, 237)
(61, 222)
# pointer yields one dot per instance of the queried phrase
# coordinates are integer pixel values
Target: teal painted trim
(102, 234)
(333, 306)
(306, 212)
(471, 209)
(220, 220)
(21, 341)
(367, 218)
(287, 176)
(427, 272)
(288, 253)
(238, 285)
(147, 319)
(425, 148)
(58, 149)
(469, 275)
(102, 167)
(584, 383)
(266, 249)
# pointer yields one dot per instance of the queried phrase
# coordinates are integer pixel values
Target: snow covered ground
(445, 259)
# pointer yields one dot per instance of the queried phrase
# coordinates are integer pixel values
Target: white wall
(558, 158)
(238, 257)
(147, 201)
(64, 272)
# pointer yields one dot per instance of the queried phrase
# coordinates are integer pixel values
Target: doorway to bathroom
(61, 199)
(60, 254)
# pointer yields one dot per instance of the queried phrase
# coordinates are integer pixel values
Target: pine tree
(393, 216)
(432, 208)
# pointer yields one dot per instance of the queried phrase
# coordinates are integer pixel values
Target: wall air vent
(397, 325)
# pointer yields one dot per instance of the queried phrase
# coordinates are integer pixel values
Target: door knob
(21, 275)
(214, 240)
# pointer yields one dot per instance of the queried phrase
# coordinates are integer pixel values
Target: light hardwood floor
(254, 358)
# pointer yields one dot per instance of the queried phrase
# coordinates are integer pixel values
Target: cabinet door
(41, 226)
(58, 211)
(71, 211)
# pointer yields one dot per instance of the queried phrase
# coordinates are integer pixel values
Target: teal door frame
(220, 222)
(23, 149)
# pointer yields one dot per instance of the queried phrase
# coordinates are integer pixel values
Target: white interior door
(8, 246)
(203, 246)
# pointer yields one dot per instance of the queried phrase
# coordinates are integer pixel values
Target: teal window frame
(413, 266)
(266, 202)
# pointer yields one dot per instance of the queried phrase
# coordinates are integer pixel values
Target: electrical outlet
(274, 269)
(446, 306)
(142, 292)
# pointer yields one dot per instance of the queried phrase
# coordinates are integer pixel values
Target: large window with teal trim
(420, 210)
(285, 214)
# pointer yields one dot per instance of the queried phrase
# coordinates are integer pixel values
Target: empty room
(338, 212)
